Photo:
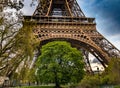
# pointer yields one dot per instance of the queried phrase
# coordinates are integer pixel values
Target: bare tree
(10, 23)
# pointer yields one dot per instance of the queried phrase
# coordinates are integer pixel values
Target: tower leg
(87, 61)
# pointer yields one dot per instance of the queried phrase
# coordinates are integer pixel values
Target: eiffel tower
(64, 20)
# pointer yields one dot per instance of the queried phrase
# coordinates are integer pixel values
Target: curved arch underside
(79, 31)
(79, 44)
(64, 20)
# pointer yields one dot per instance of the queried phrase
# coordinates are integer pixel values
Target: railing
(50, 19)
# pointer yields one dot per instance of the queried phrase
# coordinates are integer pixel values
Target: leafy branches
(9, 28)
(59, 63)
(17, 42)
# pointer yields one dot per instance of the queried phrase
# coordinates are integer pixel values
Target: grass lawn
(36, 87)
(117, 86)
(40, 87)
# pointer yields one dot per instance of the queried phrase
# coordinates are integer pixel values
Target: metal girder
(64, 20)
(75, 9)
(81, 29)
(58, 8)
(42, 8)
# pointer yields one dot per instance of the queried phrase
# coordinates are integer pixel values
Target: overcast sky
(106, 12)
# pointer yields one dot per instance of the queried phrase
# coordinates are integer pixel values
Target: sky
(106, 13)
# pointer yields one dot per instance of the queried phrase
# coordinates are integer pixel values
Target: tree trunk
(57, 84)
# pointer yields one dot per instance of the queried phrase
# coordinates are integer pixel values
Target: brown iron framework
(64, 20)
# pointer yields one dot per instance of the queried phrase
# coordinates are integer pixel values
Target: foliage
(25, 45)
(73, 86)
(31, 77)
(90, 81)
(112, 73)
(105, 80)
(26, 40)
(109, 77)
(60, 63)
(25, 76)
(9, 27)
(117, 86)
(17, 42)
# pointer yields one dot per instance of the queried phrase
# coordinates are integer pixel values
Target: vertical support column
(68, 8)
(87, 62)
(49, 8)
(78, 9)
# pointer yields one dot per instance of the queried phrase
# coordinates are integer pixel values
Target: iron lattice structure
(64, 20)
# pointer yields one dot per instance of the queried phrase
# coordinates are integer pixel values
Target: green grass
(40, 87)
(36, 87)
(117, 86)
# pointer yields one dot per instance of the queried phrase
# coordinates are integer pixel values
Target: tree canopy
(112, 72)
(17, 41)
(59, 63)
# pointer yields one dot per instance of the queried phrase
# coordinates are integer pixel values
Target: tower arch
(78, 43)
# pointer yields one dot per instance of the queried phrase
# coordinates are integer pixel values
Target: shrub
(73, 86)
(117, 86)
(112, 72)
(90, 82)
(105, 80)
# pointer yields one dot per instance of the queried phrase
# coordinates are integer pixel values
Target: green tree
(59, 63)
(112, 73)
(89, 81)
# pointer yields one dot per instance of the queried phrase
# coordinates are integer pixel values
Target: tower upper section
(58, 8)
